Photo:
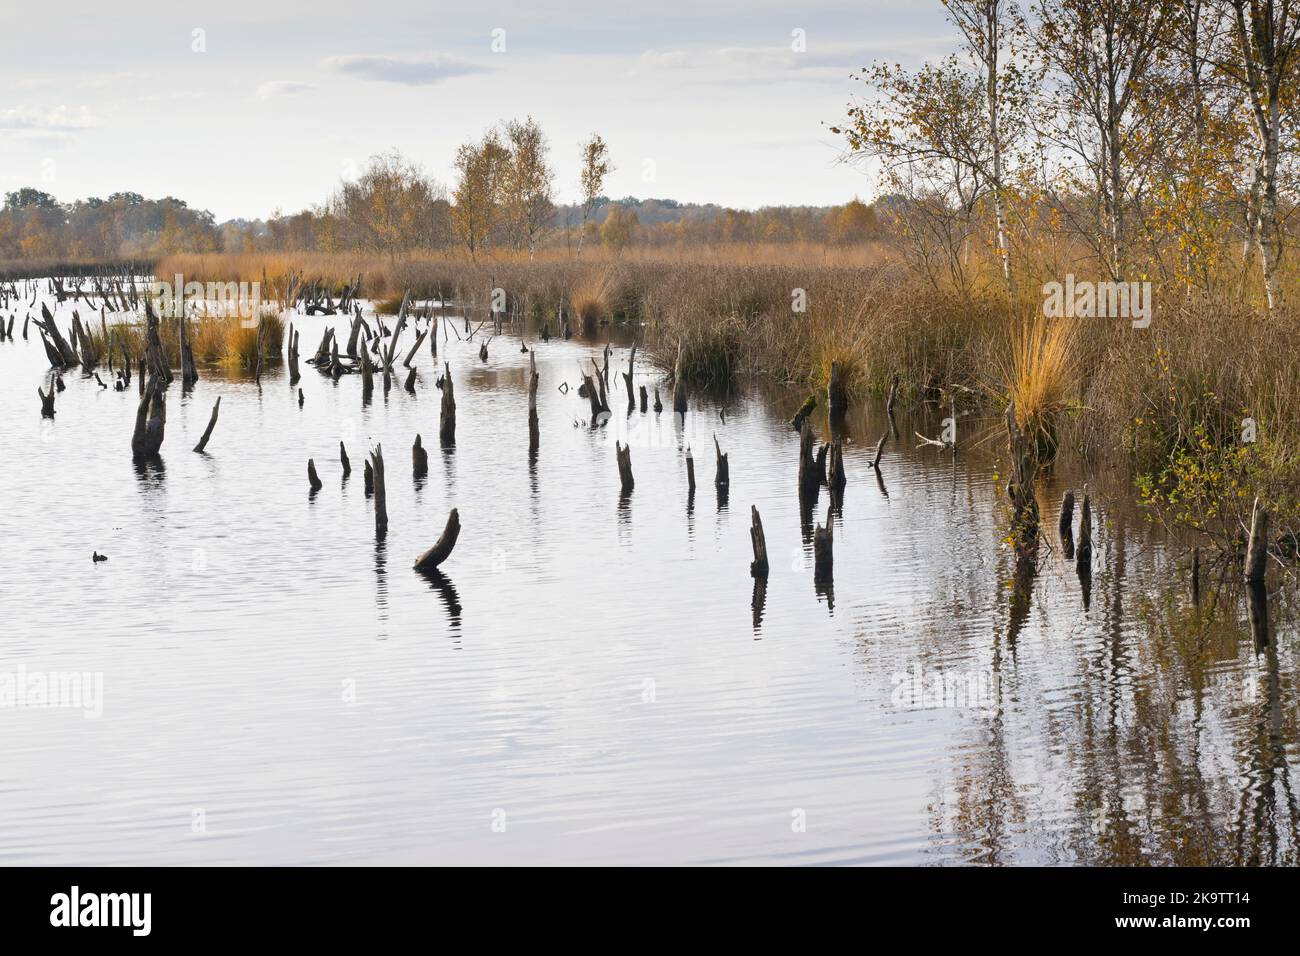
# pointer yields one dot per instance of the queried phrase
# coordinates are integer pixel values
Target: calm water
(589, 684)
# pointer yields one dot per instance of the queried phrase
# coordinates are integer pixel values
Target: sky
(248, 108)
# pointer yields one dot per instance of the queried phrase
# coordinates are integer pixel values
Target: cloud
(274, 88)
(28, 122)
(409, 71)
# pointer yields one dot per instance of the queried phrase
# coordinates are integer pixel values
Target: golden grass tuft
(1040, 373)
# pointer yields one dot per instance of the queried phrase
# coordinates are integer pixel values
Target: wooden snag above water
(150, 422)
(212, 423)
(447, 423)
(758, 568)
(1257, 548)
(47, 401)
(722, 477)
(419, 459)
(441, 549)
(809, 476)
(623, 454)
(345, 461)
(658, 406)
(690, 471)
(381, 498)
(313, 479)
(533, 378)
(801, 416)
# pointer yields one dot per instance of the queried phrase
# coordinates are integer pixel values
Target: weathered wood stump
(1066, 520)
(47, 402)
(690, 471)
(212, 423)
(368, 477)
(533, 378)
(809, 477)
(447, 423)
(623, 454)
(659, 406)
(419, 459)
(758, 568)
(442, 548)
(381, 497)
(344, 461)
(1257, 548)
(801, 416)
(150, 422)
(313, 479)
(722, 476)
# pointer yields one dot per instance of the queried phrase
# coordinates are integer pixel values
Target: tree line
(1155, 137)
(503, 197)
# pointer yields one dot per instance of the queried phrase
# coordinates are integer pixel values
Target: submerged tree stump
(212, 423)
(47, 402)
(1257, 549)
(447, 424)
(758, 568)
(1066, 520)
(345, 461)
(442, 548)
(312, 478)
(679, 387)
(809, 477)
(722, 477)
(659, 406)
(690, 471)
(623, 454)
(801, 416)
(419, 459)
(381, 497)
(150, 422)
(368, 478)
(533, 378)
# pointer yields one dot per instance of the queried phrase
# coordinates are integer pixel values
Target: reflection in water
(440, 583)
(758, 602)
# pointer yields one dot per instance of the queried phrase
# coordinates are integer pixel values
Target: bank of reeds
(1092, 385)
(214, 339)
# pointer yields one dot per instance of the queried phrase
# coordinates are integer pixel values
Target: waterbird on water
(96, 557)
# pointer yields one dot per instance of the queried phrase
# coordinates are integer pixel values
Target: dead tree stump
(441, 549)
(1257, 549)
(345, 461)
(447, 424)
(623, 453)
(758, 568)
(312, 478)
(212, 423)
(381, 498)
(809, 479)
(533, 378)
(419, 459)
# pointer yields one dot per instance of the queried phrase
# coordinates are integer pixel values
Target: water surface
(591, 681)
